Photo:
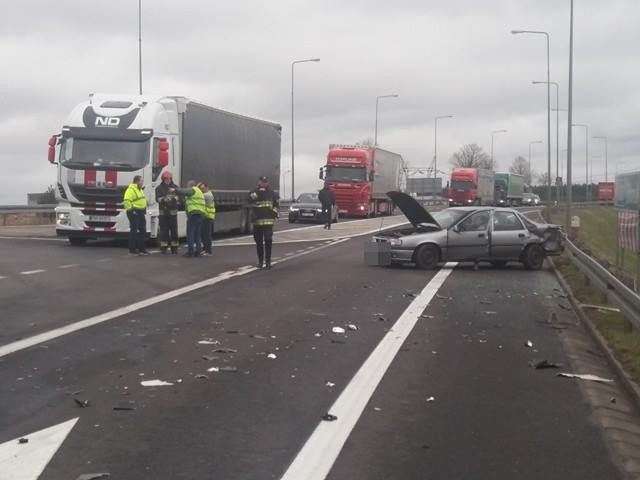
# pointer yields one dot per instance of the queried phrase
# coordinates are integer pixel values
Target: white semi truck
(109, 139)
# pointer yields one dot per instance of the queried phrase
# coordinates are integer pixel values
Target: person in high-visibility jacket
(265, 204)
(208, 220)
(135, 203)
(168, 204)
(196, 209)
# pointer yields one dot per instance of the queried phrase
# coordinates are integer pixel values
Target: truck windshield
(462, 185)
(112, 154)
(346, 174)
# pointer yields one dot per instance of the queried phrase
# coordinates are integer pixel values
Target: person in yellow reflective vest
(208, 220)
(135, 203)
(196, 209)
(264, 203)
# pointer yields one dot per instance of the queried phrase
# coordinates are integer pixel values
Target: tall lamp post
(435, 144)
(493, 135)
(557, 110)
(567, 213)
(586, 160)
(375, 137)
(546, 34)
(293, 64)
(530, 171)
(606, 156)
(140, 45)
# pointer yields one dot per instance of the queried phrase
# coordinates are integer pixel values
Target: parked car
(493, 234)
(307, 208)
(530, 199)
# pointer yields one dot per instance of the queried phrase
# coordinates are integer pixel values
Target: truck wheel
(533, 257)
(76, 241)
(426, 257)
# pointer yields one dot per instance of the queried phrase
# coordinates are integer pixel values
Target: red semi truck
(361, 177)
(471, 186)
(606, 191)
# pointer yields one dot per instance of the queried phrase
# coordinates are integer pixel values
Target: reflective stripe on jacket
(134, 198)
(210, 206)
(264, 205)
(195, 203)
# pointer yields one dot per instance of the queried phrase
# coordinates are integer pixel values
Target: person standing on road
(196, 209)
(135, 203)
(208, 220)
(327, 199)
(168, 213)
(265, 204)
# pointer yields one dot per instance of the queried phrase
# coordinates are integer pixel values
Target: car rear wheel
(427, 257)
(533, 257)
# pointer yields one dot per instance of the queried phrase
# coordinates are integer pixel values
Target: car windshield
(448, 217)
(308, 198)
(346, 174)
(460, 185)
(97, 154)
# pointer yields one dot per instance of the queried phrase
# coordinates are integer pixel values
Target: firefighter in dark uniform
(264, 203)
(168, 204)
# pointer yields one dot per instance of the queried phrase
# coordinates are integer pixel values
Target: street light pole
(140, 45)
(493, 135)
(530, 171)
(375, 138)
(546, 34)
(569, 196)
(606, 157)
(557, 110)
(587, 191)
(435, 144)
(293, 64)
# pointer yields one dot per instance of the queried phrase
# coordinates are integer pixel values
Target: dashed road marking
(70, 265)
(32, 272)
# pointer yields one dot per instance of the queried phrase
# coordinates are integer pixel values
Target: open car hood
(414, 212)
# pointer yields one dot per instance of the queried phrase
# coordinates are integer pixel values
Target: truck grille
(98, 195)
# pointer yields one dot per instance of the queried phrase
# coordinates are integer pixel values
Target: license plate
(307, 214)
(100, 218)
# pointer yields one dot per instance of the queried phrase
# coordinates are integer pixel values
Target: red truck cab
(606, 191)
(471, 186)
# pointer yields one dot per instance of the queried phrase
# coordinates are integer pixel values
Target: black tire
(498, 263)
(533, 257)
(426, 257)
(77, 242)
(292, 220)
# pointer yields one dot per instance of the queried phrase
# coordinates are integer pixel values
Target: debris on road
(156, 383)
(327, 417)
(377, 409)
(22, 441)
(338, 330)
(601, 308)
(93, 476)
(81, 403)
(612, 400)
(334, 340)
(486, 302)
(564, 307)
(429, 317)
(431, 399)
(272, 356)
(330, 384)
(589, 377)
(209, 358)
(228, 369)
(213, 369)
(225, 350)
(352, 327)
(233, 331)
(542, 364)
(123, 408)
(208, 341)
(443, 297)
(489, 312)
(528, 344)
(201, 376)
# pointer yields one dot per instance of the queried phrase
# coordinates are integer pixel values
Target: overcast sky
(443, 57)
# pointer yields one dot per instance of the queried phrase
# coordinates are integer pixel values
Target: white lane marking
(32, 272)
(104, 317)
(2, 278)
(69, 265)
(33, 238)
(324, 445)
(27, 461)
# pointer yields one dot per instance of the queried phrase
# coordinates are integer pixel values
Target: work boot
(268, 265)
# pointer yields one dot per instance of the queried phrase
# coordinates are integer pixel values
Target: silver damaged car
(465, 234)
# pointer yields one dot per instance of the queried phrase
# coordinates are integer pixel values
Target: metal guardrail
(26, 209)
(615, 291)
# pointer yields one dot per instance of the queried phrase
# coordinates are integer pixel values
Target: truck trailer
(471, 186)
(627, 191)
(606, 191)
(361, 177)
(109, 139)
(509, 188)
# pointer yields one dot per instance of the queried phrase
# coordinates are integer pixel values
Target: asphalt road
(458, 400)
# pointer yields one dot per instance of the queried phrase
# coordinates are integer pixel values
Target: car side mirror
(456, 228)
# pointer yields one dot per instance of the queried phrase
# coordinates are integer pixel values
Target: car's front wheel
(533, 257)
(427, 256)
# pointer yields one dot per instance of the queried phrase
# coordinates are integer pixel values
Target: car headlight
(451, 199)
(361, 207)
(395, 242)
(319, 210)
(469, 201)
(63, 219)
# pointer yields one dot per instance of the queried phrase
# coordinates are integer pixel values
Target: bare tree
(471, 155)
(542, 178)
(520, 166)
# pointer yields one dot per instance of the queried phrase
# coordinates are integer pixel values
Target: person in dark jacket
(327, 199)
(265, 204)
(168, 204)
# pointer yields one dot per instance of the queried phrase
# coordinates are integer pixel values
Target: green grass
(614, 327)
(598, 227)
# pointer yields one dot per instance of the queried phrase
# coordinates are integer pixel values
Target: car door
(508, 235)
(469, 239)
